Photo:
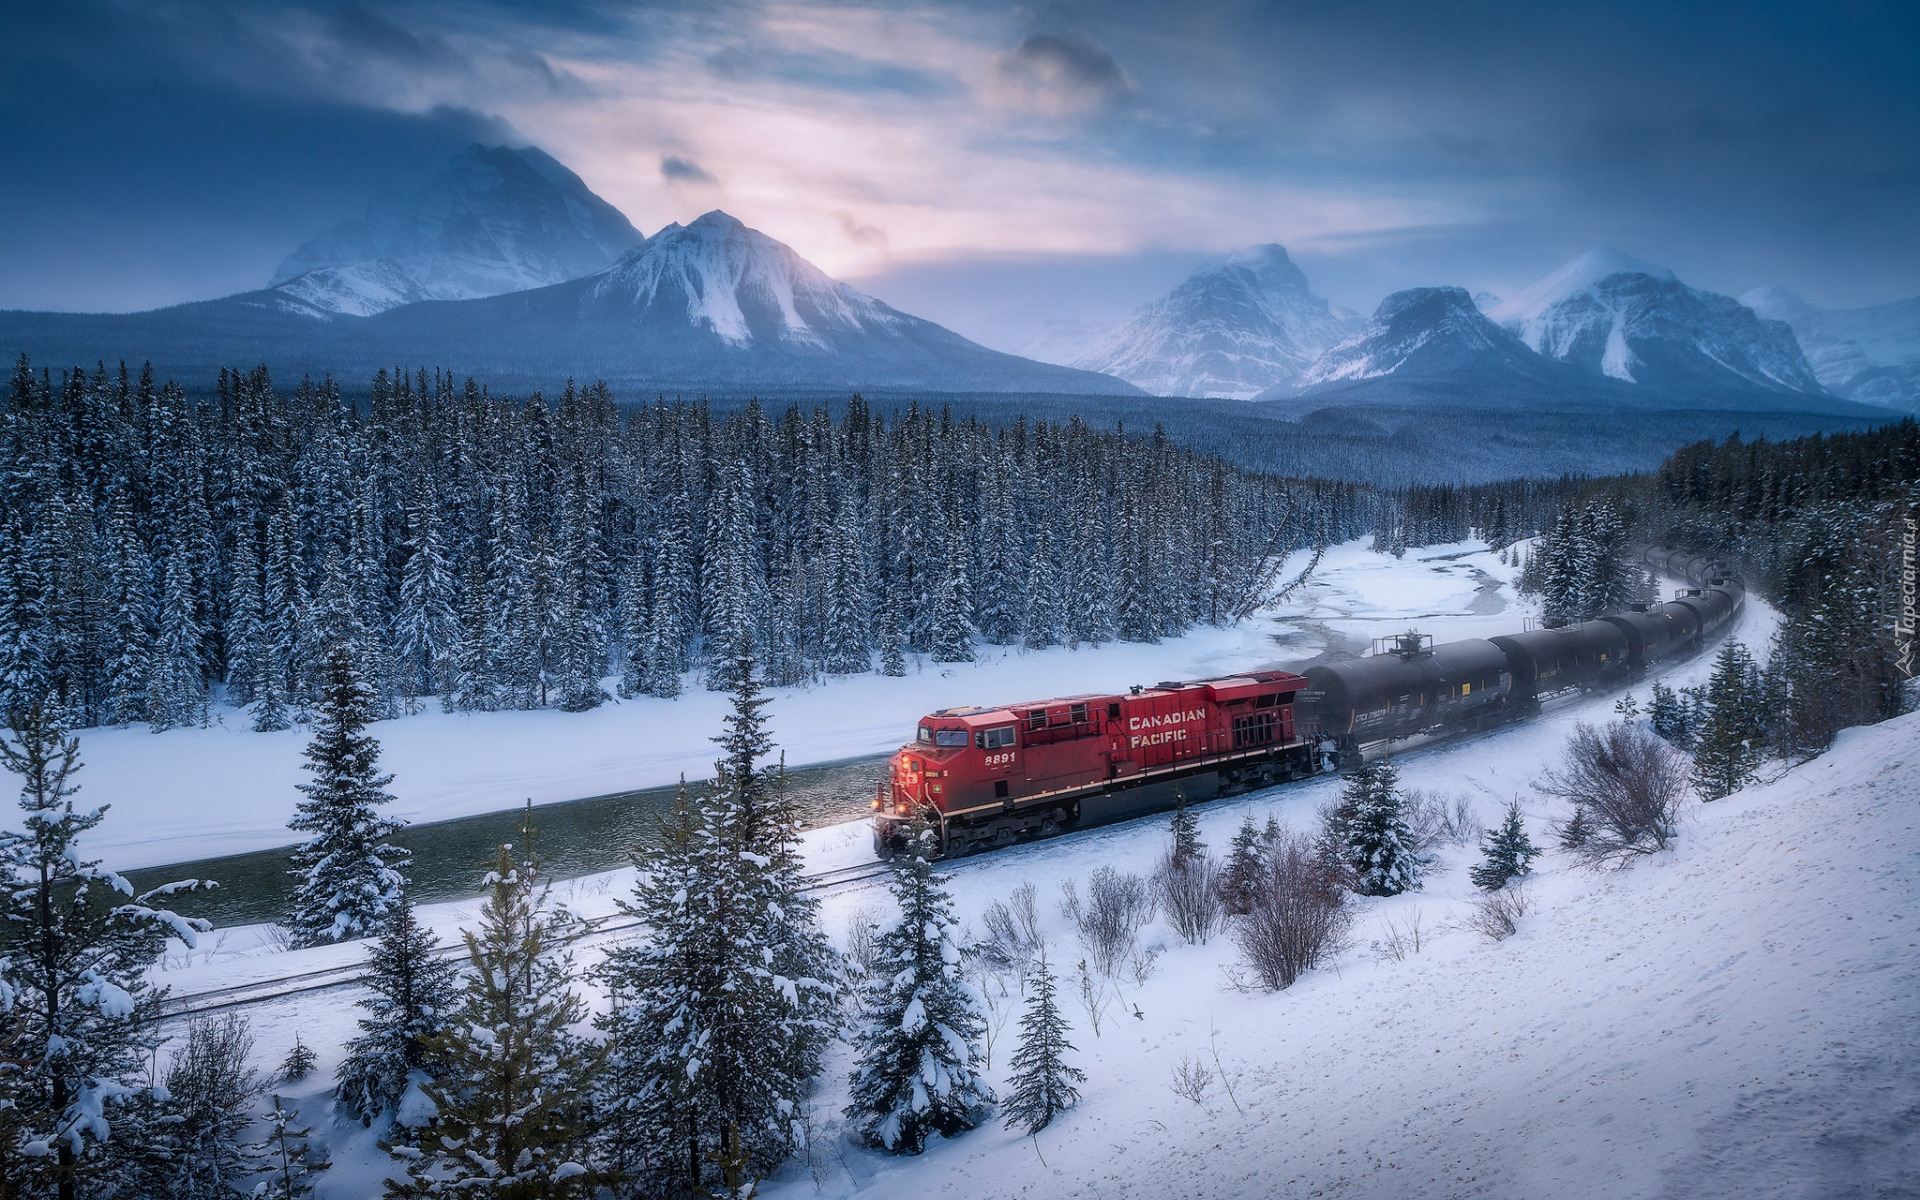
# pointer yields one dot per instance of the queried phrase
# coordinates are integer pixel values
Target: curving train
(986, 777)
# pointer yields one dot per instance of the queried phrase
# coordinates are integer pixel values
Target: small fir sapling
(1576, 829)
(1378, 843)
(410, 991)
(289, 1156)
(1042, 1083)
(1508, 853)
(299, 1062)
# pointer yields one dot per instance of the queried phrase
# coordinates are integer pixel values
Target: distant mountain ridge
(709, 304)
(1635, 321)
(498, 219)
(1871, 355)
(1232, 330)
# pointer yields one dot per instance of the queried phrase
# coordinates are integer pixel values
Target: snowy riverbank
(195, 793)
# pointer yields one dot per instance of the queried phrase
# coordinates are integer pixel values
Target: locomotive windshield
(949, 737)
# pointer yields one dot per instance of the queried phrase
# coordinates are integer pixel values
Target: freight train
(986, 777)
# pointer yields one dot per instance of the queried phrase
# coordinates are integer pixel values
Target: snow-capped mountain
(1232, 330)
(1867, 354)
(1634, 321)
(708, 303)
(1419, 331)
(496, 220)
(743, 287)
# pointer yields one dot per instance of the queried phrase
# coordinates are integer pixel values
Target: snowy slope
(1230, 330)
(1867, 354)
(1634, 321)
(1730, 1019)
(496, 220)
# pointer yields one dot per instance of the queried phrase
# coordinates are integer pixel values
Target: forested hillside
(159, 550)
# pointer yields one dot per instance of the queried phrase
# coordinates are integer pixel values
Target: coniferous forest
(162, 550)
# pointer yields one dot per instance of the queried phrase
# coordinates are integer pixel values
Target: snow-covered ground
(197, 793)
(1734, 1017)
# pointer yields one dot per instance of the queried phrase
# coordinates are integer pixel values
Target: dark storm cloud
(684, 170)
(181, 149)
(1069, 70)
(145, 179)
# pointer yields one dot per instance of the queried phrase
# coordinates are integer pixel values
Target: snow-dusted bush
(1117, 907)
(1013, 932)
(210, 1089)
(1628, 783)
(1299, 916)
(1436, 817)
(1189, 892)
(1497, 914)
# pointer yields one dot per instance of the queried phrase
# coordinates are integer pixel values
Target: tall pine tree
(918, 1051)
(347, 878)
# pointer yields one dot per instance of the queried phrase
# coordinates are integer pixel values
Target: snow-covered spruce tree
(78, 945)
(1379, 843)
(511, 1078)
(719, 1020)
(1509, 854)
(410, 992)
(919, 1049)
(1732, 735)
(348, 879)
(131, 604)
(1185, 828)
(1240, 878)
(1667, 713)
(426, 629)
(1042, 1083)
(953, 630)
(893, 642)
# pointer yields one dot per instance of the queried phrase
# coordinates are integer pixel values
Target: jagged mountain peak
(1415, 328)
(1637, 322)
(1579, 274)
(1245, 324)
(1871, 355)
(741, 283)
(496, 219)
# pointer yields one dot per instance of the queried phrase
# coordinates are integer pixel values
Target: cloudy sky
(1006, 168)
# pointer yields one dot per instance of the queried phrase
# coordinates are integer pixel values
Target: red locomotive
(986, 776)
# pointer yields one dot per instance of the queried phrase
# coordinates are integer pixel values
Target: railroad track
(280, 987)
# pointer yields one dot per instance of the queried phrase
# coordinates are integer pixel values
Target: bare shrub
(1192, 1079)
(1437, 818)
(1013, 932)
(1629, 784)
(1117, 907)
(1189, 892)
(1096, 994)
(1300, 914)
(863, 939)
(1460, 825)
(210, 1088)
(1497, 914)
(1399, 938)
